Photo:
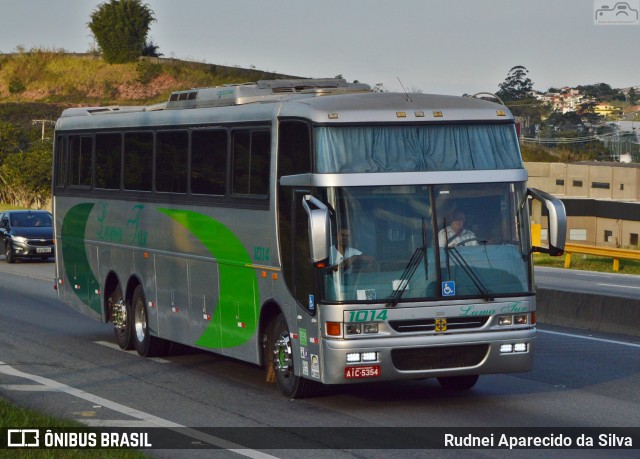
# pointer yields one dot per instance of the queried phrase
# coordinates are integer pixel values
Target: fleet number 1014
(368, 315)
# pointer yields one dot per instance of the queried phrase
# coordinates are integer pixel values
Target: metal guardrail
(609, 252)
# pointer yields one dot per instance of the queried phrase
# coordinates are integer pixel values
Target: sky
(434, 46)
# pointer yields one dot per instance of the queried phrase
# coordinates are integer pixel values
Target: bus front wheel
(145, 344)
(121, 318)
(282, 354)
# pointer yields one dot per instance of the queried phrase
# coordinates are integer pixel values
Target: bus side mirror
(318, 228)
(557, 222)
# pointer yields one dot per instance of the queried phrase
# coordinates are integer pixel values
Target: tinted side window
(208, 162)
(108, 161)
(138, 161)
(251, 162)
(171, 161)
(80, 160)
(61, 161)
(294, 148)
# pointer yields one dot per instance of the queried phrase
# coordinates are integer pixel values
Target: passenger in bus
(455, 233)
(343, 256)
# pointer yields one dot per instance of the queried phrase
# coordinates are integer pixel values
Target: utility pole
(43, 122)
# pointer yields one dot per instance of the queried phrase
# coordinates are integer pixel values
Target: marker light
(333, 328)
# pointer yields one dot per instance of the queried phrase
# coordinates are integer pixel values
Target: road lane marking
(147, 418)
(617, 285)
(118, 348)
(591, 338)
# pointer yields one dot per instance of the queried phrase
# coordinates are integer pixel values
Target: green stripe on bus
(74, 255)
(234, 321)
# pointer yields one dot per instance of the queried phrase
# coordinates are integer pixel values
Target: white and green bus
(330, 234)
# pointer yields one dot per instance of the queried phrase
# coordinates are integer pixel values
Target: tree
(120, 28)
(517, 86)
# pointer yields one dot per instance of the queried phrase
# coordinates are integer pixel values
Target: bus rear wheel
(121, 318)
(282, 355)
(458, 382)
(145, 344)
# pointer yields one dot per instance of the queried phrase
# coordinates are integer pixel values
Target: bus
(325, 232)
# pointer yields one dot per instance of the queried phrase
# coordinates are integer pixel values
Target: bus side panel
(172, 299)
(204, 293)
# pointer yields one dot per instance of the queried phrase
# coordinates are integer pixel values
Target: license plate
(43, 250)
(371, 371)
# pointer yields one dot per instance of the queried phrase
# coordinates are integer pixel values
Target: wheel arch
(110, 284)
(269, 311)
(132, 283)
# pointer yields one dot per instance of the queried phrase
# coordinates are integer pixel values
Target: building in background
(602, 200)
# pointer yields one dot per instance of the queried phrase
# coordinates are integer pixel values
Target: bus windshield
(404, 243)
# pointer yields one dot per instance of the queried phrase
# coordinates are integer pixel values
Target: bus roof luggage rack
(262, 91)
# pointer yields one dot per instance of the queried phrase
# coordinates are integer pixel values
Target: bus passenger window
(251, 160)
(138, 161)
(208, 162)
(108, 161)
(80, 161)
(171, 161)
(61, 162)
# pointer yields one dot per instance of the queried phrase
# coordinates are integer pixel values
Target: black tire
(8, 251)
(464, 382)
(145, 344)
(120, 313)
(281, 352)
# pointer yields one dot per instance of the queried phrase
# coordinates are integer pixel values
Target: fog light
(354, 329)
(520, 319)
(353, 357)
(369, 356)
(371, 328)
(506, 348)
(520, 347)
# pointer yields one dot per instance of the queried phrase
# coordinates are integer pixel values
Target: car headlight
(19, 239)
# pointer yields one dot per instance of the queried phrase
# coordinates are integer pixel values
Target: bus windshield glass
(359, 149)
(417, 242)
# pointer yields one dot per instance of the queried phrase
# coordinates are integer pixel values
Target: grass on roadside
(588, 263)
(20, 418)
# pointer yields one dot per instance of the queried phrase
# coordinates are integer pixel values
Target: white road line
(591, 338)
(618, 285)
(149, 419)
(117, 348)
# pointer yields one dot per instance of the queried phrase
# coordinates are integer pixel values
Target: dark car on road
(26, 234)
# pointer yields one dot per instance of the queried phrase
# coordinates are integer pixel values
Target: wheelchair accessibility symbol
(448, 288)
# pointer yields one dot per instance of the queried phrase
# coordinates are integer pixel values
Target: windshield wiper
(411, 268)
(475, 279)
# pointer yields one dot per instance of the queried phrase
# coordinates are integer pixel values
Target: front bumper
(428, 357)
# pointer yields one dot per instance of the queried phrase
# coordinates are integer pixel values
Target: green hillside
(61, 78)
(36, 86)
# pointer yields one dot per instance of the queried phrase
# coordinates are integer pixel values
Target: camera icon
(621, 13)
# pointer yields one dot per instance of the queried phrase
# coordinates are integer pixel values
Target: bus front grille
(429, 325)
(435, 358)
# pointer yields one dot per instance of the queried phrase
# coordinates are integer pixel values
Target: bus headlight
(359, 329)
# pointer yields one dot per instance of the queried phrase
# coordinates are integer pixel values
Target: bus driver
(455, 233)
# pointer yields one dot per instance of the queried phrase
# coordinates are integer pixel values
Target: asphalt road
(59, 361)
(571, 280)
